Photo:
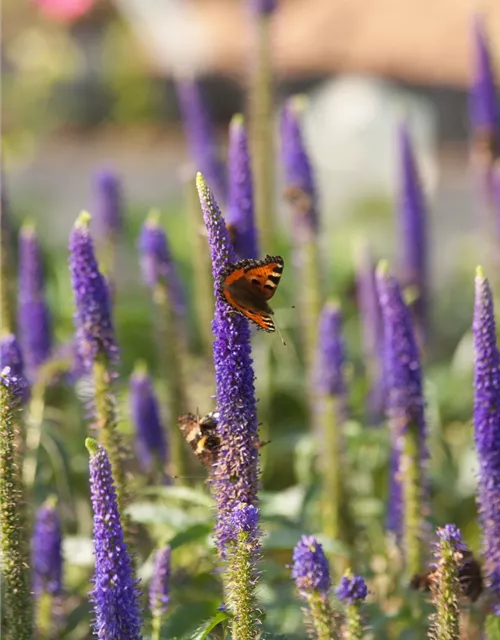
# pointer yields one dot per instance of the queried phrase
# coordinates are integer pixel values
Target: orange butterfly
(249, 284)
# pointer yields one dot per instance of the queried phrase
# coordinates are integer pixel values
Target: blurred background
(90, 82)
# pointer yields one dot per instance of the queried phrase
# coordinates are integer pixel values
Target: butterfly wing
(249, 284)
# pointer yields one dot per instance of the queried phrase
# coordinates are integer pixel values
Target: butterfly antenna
(280, 334)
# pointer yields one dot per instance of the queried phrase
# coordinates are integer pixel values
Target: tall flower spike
(445, 585)
(240, 211)
(331, 388)
(11, 356)
(405, 411)
(115, 597)
(484, 108)
(34, 321)
(412, 215)
(487, 427)
(157, 264)
(16, 596)
(94, 325)
(150, 438)
(299, 178)
(235, 476)
(372, 331)
(200, 135)
(311, 574)
(108, 203)
(47, 564)
(352, 591)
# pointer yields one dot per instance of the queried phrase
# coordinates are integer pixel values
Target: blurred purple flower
(93, 321)
(235, 476)
(310, 567)
(11, 356)
(412, 215)
(115, 597)
(299, 176)
(150, 437)
(405, 401)
(263, 7)
(157, 264)
(160, 582)
(34, 321)
(201, 136)
(487, 426)
(352, 589)
(451, 533)
(108, 202)
(47, 551)
(483, 103)
(240, 208)
(331, 352)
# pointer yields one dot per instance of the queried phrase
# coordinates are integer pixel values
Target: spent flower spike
(240, 208)
(93, 322)
(115, 597)
(487, 426)
(34, 321)
(151, 441)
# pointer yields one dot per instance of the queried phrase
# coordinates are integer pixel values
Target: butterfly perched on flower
(201, 435)
(247, 286)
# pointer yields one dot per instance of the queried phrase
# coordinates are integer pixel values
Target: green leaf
(204, 631)
(185, 494)
(194, 533)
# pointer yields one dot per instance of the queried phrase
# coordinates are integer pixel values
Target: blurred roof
(423, 41)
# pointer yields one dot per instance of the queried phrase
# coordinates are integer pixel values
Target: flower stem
(321, 616)
(172, 354)
(240, 586)
(261, 130)
(44, 621)
(411, 478)
(156, 627)
(331, 469)
(16, 586)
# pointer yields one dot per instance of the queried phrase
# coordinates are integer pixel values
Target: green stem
(321, 616)
(330, 449)
(108, 436)
(14, 545)
(446, 591)
(44, 617)
(173, 356)
(240, 586)
(156, 628)
(411, 475)
(202, 269)
(261, 122)
(7, 281)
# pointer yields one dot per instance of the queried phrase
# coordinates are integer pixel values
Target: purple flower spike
(483, 102)
(412, 216)
(299, 178)
(240, 209)
(151, 442)
(93, 322)
(160, 582)
(235, 476)
(108, 204)
(487, 426)
(310, 567)
(331, 352)
(201, 136)
(158, 267)
(263, 7)
(34, 321)
(245, 519)
(11, 356)
(47, 551)
(451, 533)
(115, 594)
(352, 589)
(405, 401)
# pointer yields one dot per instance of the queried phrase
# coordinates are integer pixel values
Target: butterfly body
(201, 435)
(248, 285)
